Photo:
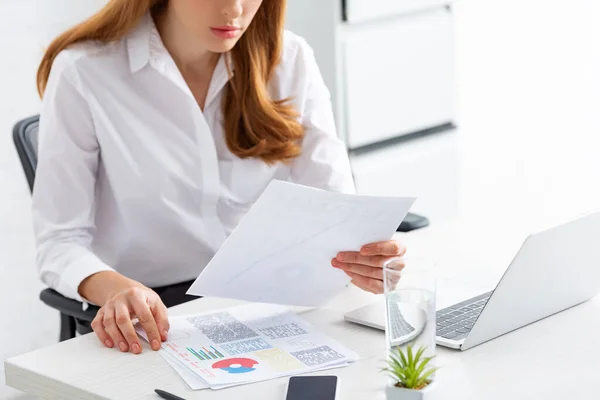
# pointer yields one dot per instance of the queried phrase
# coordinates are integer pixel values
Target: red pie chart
(236, 365)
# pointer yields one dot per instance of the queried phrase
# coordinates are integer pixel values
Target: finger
(359, 269)
(110, 325)
(387, 248)
(162, 318)
(396, 264)
(146, 318)
(367, 284)
(125, 324)
(99, 330)
(354, 257)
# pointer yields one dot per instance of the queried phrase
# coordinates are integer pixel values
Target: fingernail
(136, 348)
(108, 343)
(155, 344)
(123, 346)
(165, 334)
(341, 257)
(366, 250)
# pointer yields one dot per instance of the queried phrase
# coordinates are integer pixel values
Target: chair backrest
(25, 136)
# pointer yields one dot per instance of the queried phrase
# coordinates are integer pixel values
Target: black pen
(167, 395)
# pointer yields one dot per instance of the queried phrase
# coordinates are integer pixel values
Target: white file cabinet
(389, 64)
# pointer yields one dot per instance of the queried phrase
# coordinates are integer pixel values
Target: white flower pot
(398, 393)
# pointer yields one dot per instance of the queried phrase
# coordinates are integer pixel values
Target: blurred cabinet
(364, 10)
(389, 64)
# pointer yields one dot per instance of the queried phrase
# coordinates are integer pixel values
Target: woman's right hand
(114, 326)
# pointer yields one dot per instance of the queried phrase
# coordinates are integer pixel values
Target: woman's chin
(222, 45)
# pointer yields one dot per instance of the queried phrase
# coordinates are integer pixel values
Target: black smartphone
(312, 388)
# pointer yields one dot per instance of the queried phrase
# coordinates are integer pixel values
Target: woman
(162, 122)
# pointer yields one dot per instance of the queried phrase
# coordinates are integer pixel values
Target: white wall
(529, 119)
(26, 26)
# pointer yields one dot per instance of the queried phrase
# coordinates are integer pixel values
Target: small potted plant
(410, 373)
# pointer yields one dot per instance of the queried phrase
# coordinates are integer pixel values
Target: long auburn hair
(255, 125)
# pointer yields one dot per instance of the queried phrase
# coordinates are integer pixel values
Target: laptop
(553, 270)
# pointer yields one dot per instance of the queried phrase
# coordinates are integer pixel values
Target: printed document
(282, 249)
(249, 343)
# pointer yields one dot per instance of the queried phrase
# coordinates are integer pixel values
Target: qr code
(222, 327)
(248, 346)
(317, 356)
(283, 331)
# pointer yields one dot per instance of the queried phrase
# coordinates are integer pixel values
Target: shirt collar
(145, 46)
(138, 44)
(219, 79)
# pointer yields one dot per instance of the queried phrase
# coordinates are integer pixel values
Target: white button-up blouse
(132, 176)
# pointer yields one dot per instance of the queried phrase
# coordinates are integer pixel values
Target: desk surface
(556, 358)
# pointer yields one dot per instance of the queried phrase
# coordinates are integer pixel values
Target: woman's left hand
(365, 266)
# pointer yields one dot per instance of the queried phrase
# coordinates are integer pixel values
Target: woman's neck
(188, 54)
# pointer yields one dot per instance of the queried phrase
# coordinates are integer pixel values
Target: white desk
(557, 358)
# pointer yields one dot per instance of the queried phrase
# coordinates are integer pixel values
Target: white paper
(196, 383)
(188, 376)
(246, 344)
(192, 380)
(282, 249)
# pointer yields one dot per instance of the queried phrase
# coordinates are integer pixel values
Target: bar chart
(205, 354)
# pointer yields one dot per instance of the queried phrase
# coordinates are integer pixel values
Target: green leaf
(423, 364)
(402, 357)
(396, 358)
(420, 352)
(427, 374)
(412, 382)
(396, 372)
(393, 363)
(397, 366)
(397, 378)
(409, 355)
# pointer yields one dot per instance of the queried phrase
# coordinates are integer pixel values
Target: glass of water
(410, 305)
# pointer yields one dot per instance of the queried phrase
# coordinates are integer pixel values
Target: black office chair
(72, 317)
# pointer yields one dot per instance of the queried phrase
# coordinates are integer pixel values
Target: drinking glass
(410, 305)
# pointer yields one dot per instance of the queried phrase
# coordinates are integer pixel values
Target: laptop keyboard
(398, 324)
(455, 322)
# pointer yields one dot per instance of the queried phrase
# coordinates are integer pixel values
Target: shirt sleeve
(64, 189)
(324, 161)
